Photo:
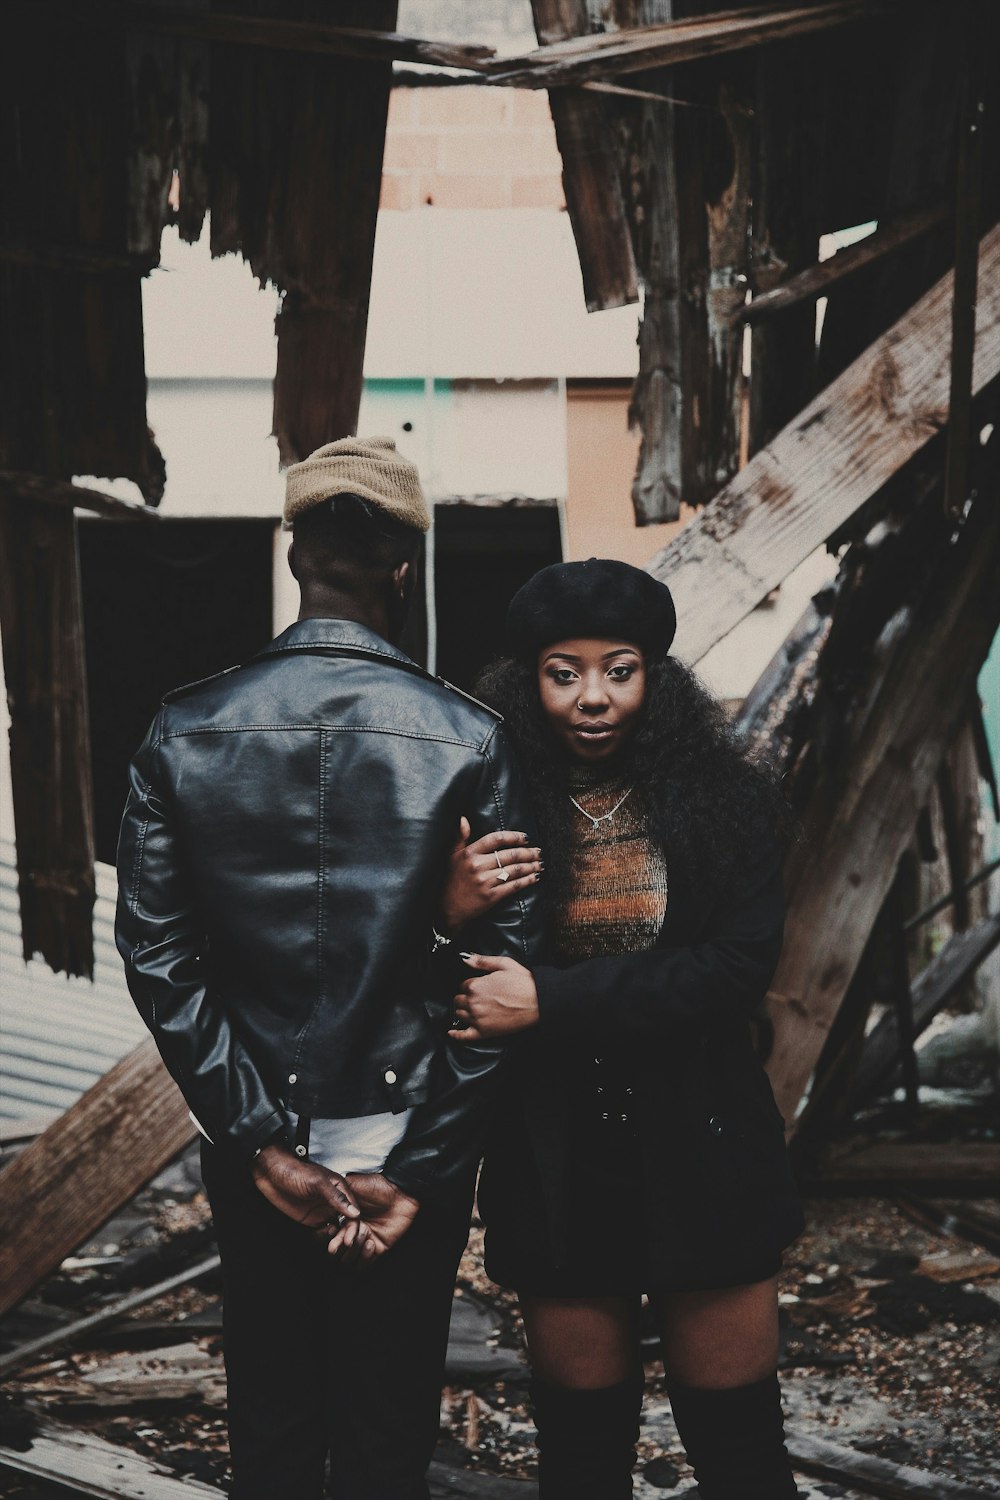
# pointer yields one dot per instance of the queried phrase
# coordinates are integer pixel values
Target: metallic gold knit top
(618, 892)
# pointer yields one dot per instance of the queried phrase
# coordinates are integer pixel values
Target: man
(284, 843)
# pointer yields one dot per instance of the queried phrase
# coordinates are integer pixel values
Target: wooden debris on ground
(74, 1176)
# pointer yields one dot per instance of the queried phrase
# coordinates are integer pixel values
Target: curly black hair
(704, 798)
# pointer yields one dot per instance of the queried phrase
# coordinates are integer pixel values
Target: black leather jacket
(282, 853)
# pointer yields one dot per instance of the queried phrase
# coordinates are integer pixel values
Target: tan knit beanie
(369, 467)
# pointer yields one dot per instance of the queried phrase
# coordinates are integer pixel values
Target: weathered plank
(87, 1465)
(640, 47)
(40, 489)
(41, 617)
(815, 280)
(104, 1317)
(377, 42)
(590, 172)
(817, 1456)
(838, 452)
(968, 199)
(931, 991)
(860, 820)
(95, 1157)
(297, 196)
(957, 1168)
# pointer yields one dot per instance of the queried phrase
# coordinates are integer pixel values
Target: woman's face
(591, 692)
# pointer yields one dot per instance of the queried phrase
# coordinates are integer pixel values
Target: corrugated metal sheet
(58, 1035)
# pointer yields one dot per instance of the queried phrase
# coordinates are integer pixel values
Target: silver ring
(504, 874)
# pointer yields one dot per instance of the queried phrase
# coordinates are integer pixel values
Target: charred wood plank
(104, 1317)
(839, 451)
(882, 742)
(931, 990)
(590, 172)
(375, 43)
(946, 900)
(953, 1220)
(638, 47)
(869, 1475)
(91, 259)
(96, 1156)
(968, 200)
(814, 281)
(20, 489)
(299, 198)
(41, 617)
(959, 1169)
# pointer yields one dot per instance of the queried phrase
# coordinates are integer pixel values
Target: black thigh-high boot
(735, 1440)
(586, 1439)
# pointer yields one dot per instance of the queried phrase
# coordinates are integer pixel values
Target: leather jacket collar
(323, 634)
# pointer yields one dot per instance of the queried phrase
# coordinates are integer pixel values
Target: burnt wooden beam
(275, 33)
(813, 282)
(94, 1158)
(590, 172)
(862, 801)
(968, 198)
(41, 622)
(912, 923)
(90, 259)
(868, 1475)
(298, 198)
(41, 489)
(941, 1168)
(945, 974)
(104, 1317)
(820, 469)
(638, 48)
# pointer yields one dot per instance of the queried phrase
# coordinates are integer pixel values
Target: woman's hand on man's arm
(500, 1001)
(486, 871)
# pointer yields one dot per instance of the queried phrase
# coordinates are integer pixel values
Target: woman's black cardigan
(719, 1192)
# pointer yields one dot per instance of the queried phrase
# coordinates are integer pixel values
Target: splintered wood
(837, 453)
(92, 1160)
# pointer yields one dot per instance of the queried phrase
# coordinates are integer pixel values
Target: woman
(638, 1147)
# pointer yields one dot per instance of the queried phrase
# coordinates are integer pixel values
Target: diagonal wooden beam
(80, 1171)
(824, 465)
(637, 49)
(860, 819)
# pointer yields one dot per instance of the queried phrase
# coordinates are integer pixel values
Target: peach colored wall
(470, 148)
(602, 454)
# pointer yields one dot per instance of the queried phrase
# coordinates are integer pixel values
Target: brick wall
(456, 147)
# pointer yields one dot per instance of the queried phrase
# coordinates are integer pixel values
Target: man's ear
(291, 558)
(403, 579)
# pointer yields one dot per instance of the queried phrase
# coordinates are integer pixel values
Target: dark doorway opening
(482, 555)
(163, 604)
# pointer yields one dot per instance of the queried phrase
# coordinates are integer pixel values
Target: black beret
(596, 599)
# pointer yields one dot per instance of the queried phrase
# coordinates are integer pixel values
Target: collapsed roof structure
(705, 154)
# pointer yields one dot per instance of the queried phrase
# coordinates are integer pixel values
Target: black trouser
(322, 1358)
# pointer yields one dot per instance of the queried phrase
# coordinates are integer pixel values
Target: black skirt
(608, 1250)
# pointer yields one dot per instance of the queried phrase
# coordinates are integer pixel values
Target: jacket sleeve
(675, 991)
(162, 944)
(444, 1139)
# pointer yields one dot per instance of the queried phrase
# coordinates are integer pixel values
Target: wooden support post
(590, 171)
(931, 991)
(860, 817)
(972, 109)
(95, 1157)
(41, 618)
(902, 1002)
